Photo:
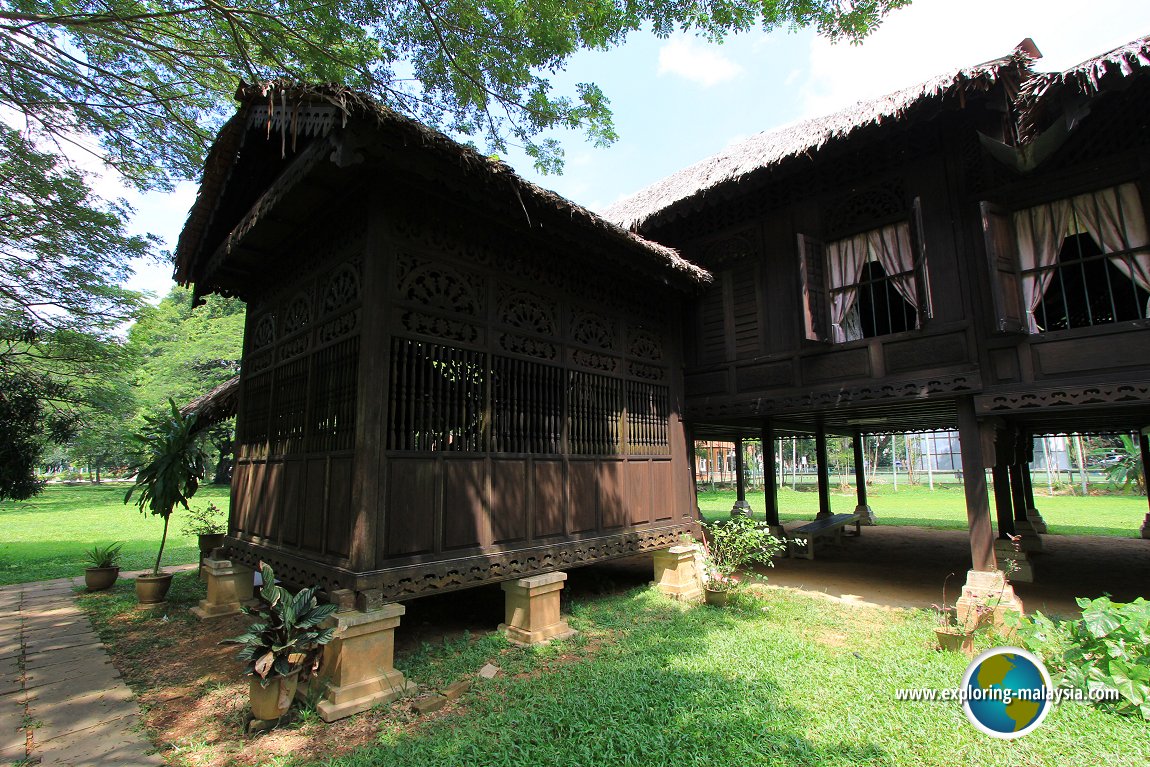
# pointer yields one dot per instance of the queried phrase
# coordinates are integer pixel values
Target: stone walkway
(61, 700)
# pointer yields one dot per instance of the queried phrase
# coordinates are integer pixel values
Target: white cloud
(697, 62)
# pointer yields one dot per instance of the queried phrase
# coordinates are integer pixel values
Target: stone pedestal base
(1036, 521)
(1023, 571)
(229, 587)
(1145, 529)
(741, 509)
(357, 670)
(676, 572)
(866, 515)
(1028, 539)
(532, 609)
(986, 597)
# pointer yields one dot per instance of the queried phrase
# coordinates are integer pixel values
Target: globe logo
(1006, 692)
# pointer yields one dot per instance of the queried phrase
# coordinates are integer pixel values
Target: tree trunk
(163, 540)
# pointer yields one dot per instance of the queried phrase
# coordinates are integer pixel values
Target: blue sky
(680, 100)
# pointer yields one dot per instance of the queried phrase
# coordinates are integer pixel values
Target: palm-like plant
(289, 634)
(170, 467)
(1127, 468)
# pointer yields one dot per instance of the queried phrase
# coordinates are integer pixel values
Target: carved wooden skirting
(937, 386)
(1066, 397)
(436, 577)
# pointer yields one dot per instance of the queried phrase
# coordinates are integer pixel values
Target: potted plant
(286, 639)
(207, 523)
(105, 567)
(728, 546)
(168, 473)
(955, 629)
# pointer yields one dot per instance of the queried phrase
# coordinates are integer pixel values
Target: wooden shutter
(921, 272)
(1002, 258)
(745, 311)
(712, 335)
(812, 277)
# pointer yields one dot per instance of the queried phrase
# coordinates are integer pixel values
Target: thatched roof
(770, 149)
(1047, 95)
(217, 405)
(199, 238)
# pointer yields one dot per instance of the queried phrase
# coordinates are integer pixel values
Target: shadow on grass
(665, 685)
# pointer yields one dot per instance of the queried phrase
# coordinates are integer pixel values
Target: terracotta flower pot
(953, 640)
(153, 589)
(273, 701)
(100, 578)
(716, 597)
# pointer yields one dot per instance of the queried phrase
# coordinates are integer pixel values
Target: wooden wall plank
(508, 501)
(339, 511)
(549, 510)
(411, 506)
(465, 504)
(584, 495)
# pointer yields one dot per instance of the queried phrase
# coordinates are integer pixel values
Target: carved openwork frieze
(1095, 394)
(264, 333)
(437, 577)
(531, 347)
(895, 391)
(527, 311)
(298, 314)
(440, 287)
(592, 330)
(340, 289)
(440, 327)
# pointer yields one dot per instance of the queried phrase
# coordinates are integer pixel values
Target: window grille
(873, 284)
(335, 370)
(527, 407)
(595, 413)
(437, 397)
(647, 413)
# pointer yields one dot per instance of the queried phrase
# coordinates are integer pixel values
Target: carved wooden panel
(701, 384)
(1092, 352)
(339, 512)
(584, 496)
(1004, 365)
(464, 505)
(509, 501)
(639, 491)
(765, 376)
(549, 506)
(411, 507)
(924, 353)
(745, 292)
(663, 493)
(316, 499)
(836, 366)
(612, 495)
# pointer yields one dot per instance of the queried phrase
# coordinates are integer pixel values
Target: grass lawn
(45, 537)
(780, 678)
(945, 507)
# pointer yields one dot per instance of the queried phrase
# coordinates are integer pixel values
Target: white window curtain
(1112, 216)
(1040, 231)
(890, 246)
(846, 258)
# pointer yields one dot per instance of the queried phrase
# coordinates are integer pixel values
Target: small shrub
(1107, 649)
(732, 544)
(104, 556)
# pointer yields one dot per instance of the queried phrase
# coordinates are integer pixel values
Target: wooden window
(332, 399)
(1070, 263)
(647, 412)
(526, 407)
(595, 413)
(812, 267)
(438, 397)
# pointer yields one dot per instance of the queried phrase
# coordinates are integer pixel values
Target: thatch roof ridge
(355, 103)
(771, 148)
(1086, 79)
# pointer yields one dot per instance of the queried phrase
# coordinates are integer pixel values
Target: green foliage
(1108, 648)
(205, 520)
(170, 467)
(733, 544)
(1125, 463)
(289, 636)
(152, 81)
(105, 556)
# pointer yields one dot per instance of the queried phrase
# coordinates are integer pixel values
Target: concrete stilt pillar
(862, 508)
(986, 596)
(677, 574)
(357, 670)
(1028, 538)
(824, 473)
(741, 507)
(1037, 523)
(229, 587)
(532, 609)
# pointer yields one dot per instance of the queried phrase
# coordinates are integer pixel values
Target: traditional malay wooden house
(969, 253)
(450, 376)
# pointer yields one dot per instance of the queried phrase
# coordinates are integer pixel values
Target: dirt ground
(196, 704)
